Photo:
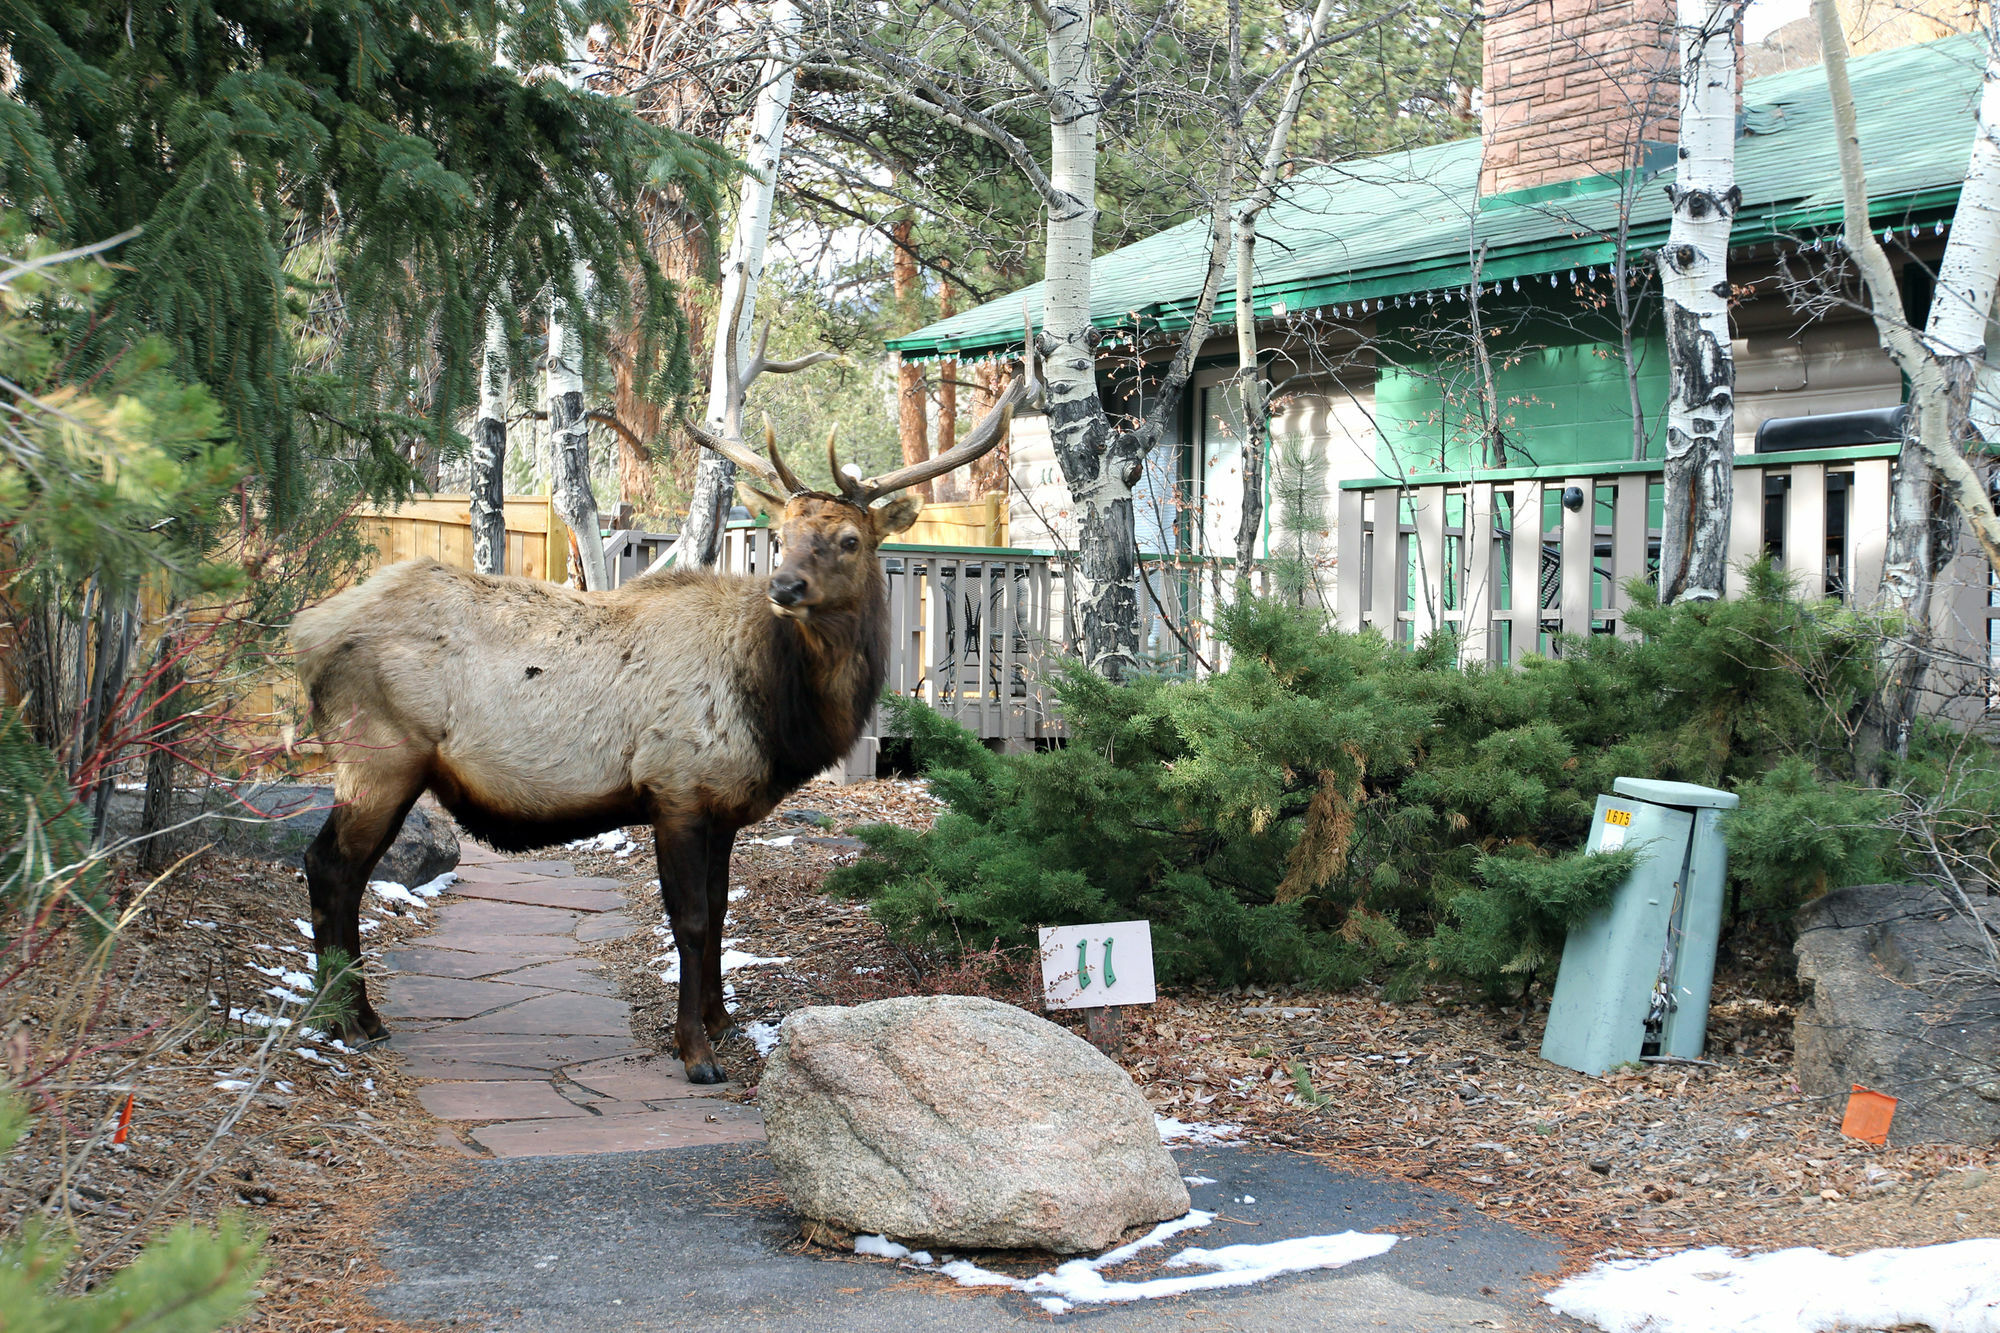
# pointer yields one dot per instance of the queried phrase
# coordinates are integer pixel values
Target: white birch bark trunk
(489, 454)
(1256, 412)
(701, 539)
(569, 429)
(1930, 457)
(1694, 280)
(1100, 480)
(569, 444)
(1961, 307)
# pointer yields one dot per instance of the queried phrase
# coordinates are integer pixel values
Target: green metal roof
(1404, 223)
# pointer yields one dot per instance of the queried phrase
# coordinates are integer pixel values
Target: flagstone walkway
(530, 1045)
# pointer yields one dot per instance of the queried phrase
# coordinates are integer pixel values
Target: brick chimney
(1575, 88)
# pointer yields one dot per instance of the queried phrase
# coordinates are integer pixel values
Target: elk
(538, 714)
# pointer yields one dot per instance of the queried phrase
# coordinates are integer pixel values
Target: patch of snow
(233, 1084)
(784, 841)
(394, 893)
(735, 895)
(1248, 1198)
(283, 996)
(617, 841)
(1082, 1281)
(866, 971)
(731, 960)
(1951, 1288)
(1198, 1180)
(305, 926)
(253, 1018)
(1172, 1131)
(764, 1034)
(889, 1249)
(431, 888)
(370, 927)
(201, 925)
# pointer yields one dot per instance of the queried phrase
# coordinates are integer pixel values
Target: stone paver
(606, 927)
(581, 895)
(501, 919)
(577, 974)
(684, 1125)
(502, 1006)
(511, 1099)
(557, 1014)
(431, 962)
(640, 1081)
(447, 997)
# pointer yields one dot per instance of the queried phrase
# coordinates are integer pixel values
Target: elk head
(828, 540)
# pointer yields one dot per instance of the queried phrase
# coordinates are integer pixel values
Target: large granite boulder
(957, 1121)
(1904, 1001)
(281, 818)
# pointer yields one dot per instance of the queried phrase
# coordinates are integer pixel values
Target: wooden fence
(441, 528)
(1452, 552)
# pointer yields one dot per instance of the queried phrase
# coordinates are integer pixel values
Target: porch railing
(1508, 559)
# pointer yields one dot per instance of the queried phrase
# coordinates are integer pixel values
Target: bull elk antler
(986, 433)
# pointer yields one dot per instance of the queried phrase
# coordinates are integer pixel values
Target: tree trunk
(988, 474)
(169, 705)
(489, 454)
(1941, 378)
(1694, 280)
(1100, 483)
(947, 487)
(1252, 404)
(117, 634)
(1249, 374)
(701, 539)
(912, 424)
(569, 446)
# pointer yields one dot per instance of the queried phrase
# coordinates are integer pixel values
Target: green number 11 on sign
(1083, 965)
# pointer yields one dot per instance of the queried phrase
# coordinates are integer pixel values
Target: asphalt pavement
(699, 1238)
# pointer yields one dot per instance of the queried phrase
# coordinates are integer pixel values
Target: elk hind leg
(369, 809)
(682, 849)
(714, 1008)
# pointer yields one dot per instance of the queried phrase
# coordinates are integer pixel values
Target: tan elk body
(538, 714)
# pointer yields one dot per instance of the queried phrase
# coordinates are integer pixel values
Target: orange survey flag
(1868, 1115)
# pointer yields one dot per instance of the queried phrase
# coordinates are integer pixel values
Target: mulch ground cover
(235, 1101)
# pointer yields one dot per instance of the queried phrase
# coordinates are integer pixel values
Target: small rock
(1601, 1167)
(959, 1121)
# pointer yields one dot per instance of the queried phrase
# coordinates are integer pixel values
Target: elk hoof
(357, 1035)
(706, 1071)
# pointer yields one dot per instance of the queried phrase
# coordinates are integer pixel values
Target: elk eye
(850, 543)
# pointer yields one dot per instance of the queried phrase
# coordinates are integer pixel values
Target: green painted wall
(1559, 382)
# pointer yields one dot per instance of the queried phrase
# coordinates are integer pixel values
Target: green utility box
(1635, 976)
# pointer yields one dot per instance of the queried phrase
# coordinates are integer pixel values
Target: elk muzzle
(788, 592)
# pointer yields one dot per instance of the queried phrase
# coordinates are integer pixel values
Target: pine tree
(229, 134)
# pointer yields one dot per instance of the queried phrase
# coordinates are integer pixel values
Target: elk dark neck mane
(810, 685)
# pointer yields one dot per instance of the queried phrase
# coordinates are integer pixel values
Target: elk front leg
(354, 837)
(683, 859)
(714, 1008)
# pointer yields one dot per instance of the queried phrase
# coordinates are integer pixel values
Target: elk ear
(759, 503)
(894, 516)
